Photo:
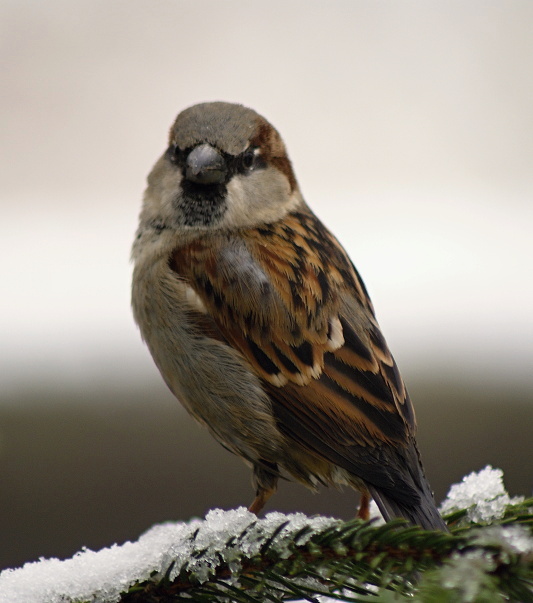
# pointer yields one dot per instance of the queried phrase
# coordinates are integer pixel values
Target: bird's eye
(248, 159)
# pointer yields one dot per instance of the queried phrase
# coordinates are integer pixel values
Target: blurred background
(410, 126)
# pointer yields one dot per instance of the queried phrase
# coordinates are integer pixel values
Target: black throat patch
(201, 204)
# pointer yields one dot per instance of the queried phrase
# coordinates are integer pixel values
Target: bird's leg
(260, 500)
(364, 507)
(265, 479)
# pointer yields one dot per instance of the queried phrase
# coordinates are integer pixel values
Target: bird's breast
(208, 376)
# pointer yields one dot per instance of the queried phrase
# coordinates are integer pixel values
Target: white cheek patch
(260, 198)
(238, 204)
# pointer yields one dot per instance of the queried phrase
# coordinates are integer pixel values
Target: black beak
(205, 165)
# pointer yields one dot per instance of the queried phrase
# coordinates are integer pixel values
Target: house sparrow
(261, 326)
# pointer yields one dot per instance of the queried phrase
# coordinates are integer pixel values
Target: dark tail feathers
(423, 514)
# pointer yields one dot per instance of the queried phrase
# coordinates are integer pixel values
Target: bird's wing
(289, 299)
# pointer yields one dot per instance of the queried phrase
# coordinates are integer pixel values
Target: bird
(260, 324)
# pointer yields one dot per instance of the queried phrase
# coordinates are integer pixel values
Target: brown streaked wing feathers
(275, 292)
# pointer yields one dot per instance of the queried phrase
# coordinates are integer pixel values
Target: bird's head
(225, 168)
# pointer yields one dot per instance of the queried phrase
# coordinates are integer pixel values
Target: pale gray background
(410, 125)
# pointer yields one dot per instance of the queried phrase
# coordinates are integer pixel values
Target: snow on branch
(482, 495)
(234, 556)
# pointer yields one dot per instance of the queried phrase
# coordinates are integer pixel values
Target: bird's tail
(424, 513)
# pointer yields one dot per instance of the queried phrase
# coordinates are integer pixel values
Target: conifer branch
(354, 560)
